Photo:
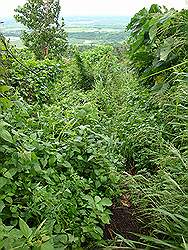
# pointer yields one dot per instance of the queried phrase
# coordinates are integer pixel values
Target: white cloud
(113, 7)
(96, 7)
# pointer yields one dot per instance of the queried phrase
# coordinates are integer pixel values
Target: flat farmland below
(81, 30)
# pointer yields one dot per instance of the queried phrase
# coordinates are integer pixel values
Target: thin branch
(164, 70)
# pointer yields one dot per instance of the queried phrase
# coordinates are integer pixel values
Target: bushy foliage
(59, 173)
(158, 44)
(80, 132)
(36, 80)
(101, 61)
(5, 67)
(85, 78)
(46, 36)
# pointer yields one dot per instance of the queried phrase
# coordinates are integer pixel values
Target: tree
(46, 36)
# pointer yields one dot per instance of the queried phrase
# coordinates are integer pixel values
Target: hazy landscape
(81, 30)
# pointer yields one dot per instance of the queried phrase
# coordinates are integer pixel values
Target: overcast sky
(97, 7)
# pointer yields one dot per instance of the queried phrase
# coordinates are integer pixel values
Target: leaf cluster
(45, 36)
(158, 44)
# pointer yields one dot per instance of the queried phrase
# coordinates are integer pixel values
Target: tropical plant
(158, 44)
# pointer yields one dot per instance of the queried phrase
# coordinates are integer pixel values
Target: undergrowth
(76, 134)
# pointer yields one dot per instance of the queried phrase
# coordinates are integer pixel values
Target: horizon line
(80, 16)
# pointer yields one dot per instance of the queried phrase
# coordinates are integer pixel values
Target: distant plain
(81, 30)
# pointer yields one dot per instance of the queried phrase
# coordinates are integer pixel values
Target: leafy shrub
(35, 80)
(92, 66)
(101, 61)
(158, 44)
(85, 77)
(57, 170)
(5, 66)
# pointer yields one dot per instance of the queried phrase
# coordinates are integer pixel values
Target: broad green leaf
(5, 135)
(52, 160)
(97, 199)
(136, 45)
(86, 229)
(152, 32)
(98, 230)
(4, 88)
(8, 175)
(2, 205)
(47, 246)
(71, 238)
(3, 124)
(105, 218)
(164, 52)
(37, 167)
(67, 164)
(91, 157)
(5, 102)
(105, 202)
(8, 199)
(63, 238)
(80, 158)
(29, 147)
(96, 235)
(100, 207)
(88, 198)
(67, 193)
(16, 233)
(165, 48)
(97, 183)
(3, 181)
(1, 244)
(25, 228)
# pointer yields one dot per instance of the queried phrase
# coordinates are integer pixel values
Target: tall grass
(156, 141)
(152, 129)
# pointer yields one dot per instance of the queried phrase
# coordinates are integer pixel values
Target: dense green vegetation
(46, 35)
(79, 132)
(158, 42)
